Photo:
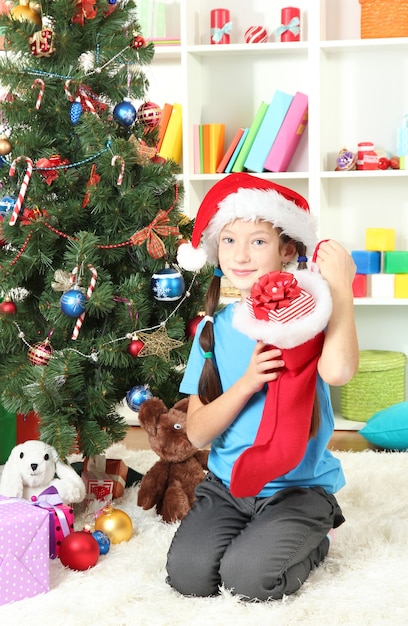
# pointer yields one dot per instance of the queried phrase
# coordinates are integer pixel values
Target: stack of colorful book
(208, 145)
(271, 140)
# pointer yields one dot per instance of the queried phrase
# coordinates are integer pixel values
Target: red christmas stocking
(283, 433)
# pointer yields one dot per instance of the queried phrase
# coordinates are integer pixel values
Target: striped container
(378, 384)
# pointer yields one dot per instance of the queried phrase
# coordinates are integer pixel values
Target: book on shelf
(196, 149)
(253, 129)
(171, 147)
(236, 152)
(164, 41)
(166, 112)
(208, 147)
(268, 131)
(229, 152)
(289, 135)
(216, 147)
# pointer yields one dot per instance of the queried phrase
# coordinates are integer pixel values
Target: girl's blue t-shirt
(232, 352)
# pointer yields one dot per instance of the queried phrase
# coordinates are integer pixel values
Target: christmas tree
(92, 308)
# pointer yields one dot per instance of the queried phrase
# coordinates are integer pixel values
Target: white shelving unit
(357, 92)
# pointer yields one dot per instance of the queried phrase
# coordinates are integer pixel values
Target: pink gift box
(24, 550)
(61, 518)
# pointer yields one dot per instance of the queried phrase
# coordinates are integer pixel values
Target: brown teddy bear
(170, 483)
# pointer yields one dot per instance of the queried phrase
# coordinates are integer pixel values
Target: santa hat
(247, 197)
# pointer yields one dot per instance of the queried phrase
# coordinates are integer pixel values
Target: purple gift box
(24, 550)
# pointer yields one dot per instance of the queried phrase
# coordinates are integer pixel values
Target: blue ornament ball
(72, 302)
(75, 112)
(137, 395)
(167, 285)
(103, 541)
(7, 204)
(124, 113)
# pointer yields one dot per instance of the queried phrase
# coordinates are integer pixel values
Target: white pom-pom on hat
(190, 258)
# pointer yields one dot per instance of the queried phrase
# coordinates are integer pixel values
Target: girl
(259, 542)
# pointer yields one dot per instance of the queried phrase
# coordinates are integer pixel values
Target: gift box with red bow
(61, 518)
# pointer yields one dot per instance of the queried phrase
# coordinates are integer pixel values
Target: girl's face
(248, 250)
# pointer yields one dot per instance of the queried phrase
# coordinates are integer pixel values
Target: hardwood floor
(136, 438)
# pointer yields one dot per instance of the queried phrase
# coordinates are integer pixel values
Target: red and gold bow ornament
(159, 227)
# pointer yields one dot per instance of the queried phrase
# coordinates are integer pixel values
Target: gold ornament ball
(5, 145)
(114, 523)
(23, 12)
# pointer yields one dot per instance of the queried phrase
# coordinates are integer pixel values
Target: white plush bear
(32, 467)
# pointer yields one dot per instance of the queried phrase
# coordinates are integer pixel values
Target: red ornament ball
(191, 327)
(138, 42)
(149, 114)
(40, 353)
(79, 550)
(134, 347)
(256, 34)
(8, 307)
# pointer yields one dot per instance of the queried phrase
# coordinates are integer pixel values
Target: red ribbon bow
(273, 291)
(159, 226)
(49, 167)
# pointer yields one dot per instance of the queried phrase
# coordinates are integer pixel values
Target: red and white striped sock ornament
(23, 189)
(90, 290)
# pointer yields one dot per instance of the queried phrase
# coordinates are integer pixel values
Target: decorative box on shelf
(384, 18)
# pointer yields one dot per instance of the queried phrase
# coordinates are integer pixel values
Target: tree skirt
(364, 579)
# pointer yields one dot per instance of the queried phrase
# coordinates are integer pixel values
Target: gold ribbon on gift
(159, 227)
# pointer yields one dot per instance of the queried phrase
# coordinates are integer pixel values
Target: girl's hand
(336, 265)
(264, 366)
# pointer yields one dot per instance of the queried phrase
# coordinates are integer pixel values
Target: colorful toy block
(367, 262)
(401, 286)
(382, 239)
(396, 262)
(360, 286)
(381, 285)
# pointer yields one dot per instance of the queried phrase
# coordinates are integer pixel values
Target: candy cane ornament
(67, 91)
(90, 290)
(23, 189)
(117, 157)
(40, 82)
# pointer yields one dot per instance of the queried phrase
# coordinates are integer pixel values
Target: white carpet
(364, 580)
